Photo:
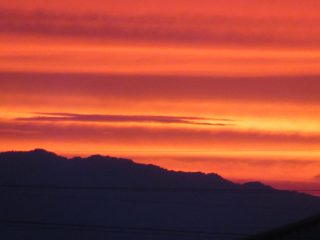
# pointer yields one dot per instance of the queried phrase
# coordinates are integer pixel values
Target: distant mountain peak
(256, 185)
(36, 154)
(42, 151)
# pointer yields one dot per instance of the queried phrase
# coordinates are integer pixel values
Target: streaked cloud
(151, 136)
(128, 118)
(155, 29)
(160, 27)
(297, 89)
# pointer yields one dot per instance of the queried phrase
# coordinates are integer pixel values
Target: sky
(223, 86)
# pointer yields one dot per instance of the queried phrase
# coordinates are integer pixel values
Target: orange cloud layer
(265, 8)
(209, 29)
(33, 56)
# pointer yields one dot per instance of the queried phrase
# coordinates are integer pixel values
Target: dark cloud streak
(127, 118)
(298, 89)
(150, 136)
(162, 28)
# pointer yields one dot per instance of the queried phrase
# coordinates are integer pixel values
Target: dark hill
(46, 196)
(46, 168)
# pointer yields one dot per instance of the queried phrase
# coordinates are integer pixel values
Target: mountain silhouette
(46, 196)
(42, 167)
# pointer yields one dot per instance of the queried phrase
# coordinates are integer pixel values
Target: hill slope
(99, 197)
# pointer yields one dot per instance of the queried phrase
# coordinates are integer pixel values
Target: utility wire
(155, 189)
(122, 229)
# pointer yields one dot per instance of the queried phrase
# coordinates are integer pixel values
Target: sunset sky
(223, 86)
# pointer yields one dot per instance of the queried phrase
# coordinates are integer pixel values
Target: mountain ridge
(204, 180)
(42, 187)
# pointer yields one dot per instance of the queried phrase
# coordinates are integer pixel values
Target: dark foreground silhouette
(46, 196)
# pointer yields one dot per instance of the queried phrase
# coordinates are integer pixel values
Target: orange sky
(222, 86)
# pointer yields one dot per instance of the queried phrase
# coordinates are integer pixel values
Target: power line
(155, 189)
(122, 229)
